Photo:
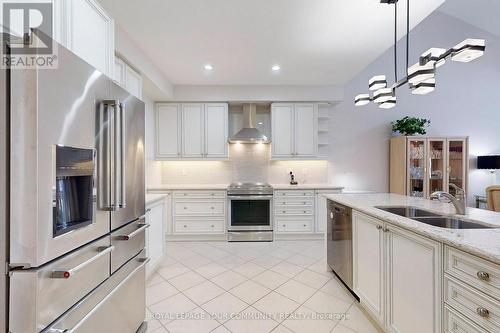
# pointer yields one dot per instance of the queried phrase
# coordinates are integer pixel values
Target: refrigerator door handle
(104, 159)
(116, 180)
(123, 173)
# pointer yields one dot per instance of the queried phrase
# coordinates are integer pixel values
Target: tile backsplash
(247, 162)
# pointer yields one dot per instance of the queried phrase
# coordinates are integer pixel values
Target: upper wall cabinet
(191, 131)
(294, 130)
(87, 30)
(127, 77)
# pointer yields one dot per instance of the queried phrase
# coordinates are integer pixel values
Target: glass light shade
(440, 63)
(468, 50)
(389, 104)
(361, 99)
(418, 73)
(377, 82)
(383, 95)
(424, 87)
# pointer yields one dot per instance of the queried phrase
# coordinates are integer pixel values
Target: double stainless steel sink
(437, 220)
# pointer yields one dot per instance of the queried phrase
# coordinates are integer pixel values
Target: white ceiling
(316, 42)
(480, 13)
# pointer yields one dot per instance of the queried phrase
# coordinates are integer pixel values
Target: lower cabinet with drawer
(294, 213)
(472, 288)
(199, 214)
(455, 322)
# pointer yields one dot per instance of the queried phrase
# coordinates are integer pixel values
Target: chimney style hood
(249, 134)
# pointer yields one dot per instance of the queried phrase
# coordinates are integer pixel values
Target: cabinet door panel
(368, 264)
(192, 130)
(133, 82)
(282, 118)
(168, 124)
(414, 283)
(457, 164)
(216, 118)
(119, 74)
(306, 130)
(91, 34)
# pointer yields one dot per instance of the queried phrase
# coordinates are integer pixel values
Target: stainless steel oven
(250, 212)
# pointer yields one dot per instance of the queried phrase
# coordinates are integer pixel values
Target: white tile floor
(274, 287)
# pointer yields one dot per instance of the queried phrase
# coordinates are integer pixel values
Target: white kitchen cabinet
(368, 264)
(168, 131)
(85, 28)
(413, 282)
(195, 131)
(199, 214)
(282, 121)
(155, 234)
(306, 130)
(216, 130)
(127, 77)
(397, 275)
(294, 130)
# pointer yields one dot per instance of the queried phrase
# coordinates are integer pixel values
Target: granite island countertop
(481, 242)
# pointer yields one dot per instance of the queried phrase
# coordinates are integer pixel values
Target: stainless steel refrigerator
(74, 200)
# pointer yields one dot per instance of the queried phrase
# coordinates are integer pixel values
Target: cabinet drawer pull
(284, 211)
(185, 194)
(185, 208)
(212, 194)
(379, 227)
(185, 226)
(304, 203)
(212, 207)
(305, 225)
(483, 312)
(213, 226)
(483, 276)
(305, 211)
(284, 225)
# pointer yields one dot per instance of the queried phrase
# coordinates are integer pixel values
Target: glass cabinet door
(416, 165)
(437, 166)
(456, 164)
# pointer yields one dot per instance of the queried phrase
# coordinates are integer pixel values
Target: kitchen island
(415, 277)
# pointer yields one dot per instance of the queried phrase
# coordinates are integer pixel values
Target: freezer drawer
(116, 306)
(128, 241)
(39, 296)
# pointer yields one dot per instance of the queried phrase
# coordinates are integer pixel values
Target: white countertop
(173, 187)
(481, 242)
(306, 186)
(153, 198)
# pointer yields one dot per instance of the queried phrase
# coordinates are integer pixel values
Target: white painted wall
(297, 93)
(465, 103)
(153, 168)
(155, 84)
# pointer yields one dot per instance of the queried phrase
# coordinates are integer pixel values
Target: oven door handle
(250, 197)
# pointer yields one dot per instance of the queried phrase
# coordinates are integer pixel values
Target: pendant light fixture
(421, 77)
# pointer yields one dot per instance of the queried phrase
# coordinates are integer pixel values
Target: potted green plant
(410, 126)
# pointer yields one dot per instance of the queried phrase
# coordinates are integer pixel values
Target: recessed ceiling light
(208, 67)
(276, 68)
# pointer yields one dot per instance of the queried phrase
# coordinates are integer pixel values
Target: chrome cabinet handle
(185, 226)
(305, 225)
(379, 227)
(284, 211)
(66, 274)
(483, 312)
(185, 208)
(105, 190)
(212, 207)
(483, 276)
(213, 226)
(305, 211)
(141, 228)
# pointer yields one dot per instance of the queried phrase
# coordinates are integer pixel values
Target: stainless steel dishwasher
(339, 242)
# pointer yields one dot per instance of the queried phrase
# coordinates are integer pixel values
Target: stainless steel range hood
(249, 134)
